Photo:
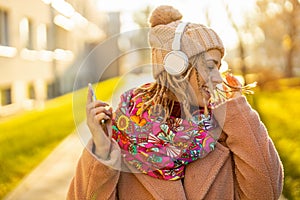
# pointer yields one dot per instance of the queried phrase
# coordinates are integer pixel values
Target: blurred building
(42, 43)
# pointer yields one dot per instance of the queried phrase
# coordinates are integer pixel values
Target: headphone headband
(178, 34)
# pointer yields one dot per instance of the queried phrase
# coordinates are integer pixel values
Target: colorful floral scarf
(156, 147)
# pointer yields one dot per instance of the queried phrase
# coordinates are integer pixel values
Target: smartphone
(94, 99)
(93, 92)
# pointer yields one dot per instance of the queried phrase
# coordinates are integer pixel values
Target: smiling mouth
(206, 91)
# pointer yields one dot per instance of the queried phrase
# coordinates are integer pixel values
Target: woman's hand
(97, 112)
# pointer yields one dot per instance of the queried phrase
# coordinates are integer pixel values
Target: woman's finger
(101, 116)
(95, 104)
(89, 96)
(108, 127)
(101, 109)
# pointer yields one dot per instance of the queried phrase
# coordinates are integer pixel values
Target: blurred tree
(141, 17)
(278, 20)
(140, 41)
(243, 23)
(240, 46)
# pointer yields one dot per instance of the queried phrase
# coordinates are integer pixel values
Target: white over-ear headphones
(176, 61)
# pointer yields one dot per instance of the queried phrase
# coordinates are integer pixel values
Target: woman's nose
(216, 76)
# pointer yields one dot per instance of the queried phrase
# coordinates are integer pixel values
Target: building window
(50, 91)
(61, 38)
(6, 96)
(26, 33)
(4, 28)
(42, 36)
(31, 91)
(50, 37)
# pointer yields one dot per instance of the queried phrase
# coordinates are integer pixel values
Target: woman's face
(211, 69)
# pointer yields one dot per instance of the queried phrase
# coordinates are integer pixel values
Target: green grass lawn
(280, 111)
(27, 138)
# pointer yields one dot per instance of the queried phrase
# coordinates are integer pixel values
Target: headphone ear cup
(176, 63)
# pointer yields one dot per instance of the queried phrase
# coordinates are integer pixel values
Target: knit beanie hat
(196, 38)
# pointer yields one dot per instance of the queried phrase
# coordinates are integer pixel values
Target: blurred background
(43, 44)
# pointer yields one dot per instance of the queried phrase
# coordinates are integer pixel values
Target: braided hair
(167, 89)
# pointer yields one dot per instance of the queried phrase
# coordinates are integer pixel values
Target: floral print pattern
(160, 149)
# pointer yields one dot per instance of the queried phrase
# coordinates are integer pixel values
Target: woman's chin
(199, 103)
(202, 101)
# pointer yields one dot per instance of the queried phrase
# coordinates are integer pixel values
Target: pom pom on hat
(196, 38)
(164, 15)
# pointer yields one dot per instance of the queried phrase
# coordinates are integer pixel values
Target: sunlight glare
(193, 11)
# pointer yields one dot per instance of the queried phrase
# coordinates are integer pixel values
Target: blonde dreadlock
(166, 90)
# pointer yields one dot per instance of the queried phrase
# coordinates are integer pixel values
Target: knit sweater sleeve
(257, 166)
(96, 178)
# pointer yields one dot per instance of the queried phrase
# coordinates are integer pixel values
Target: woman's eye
(210, 67)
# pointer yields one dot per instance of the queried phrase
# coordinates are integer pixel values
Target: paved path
(51, 179)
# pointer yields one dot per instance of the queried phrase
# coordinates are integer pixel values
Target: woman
(183, 136)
